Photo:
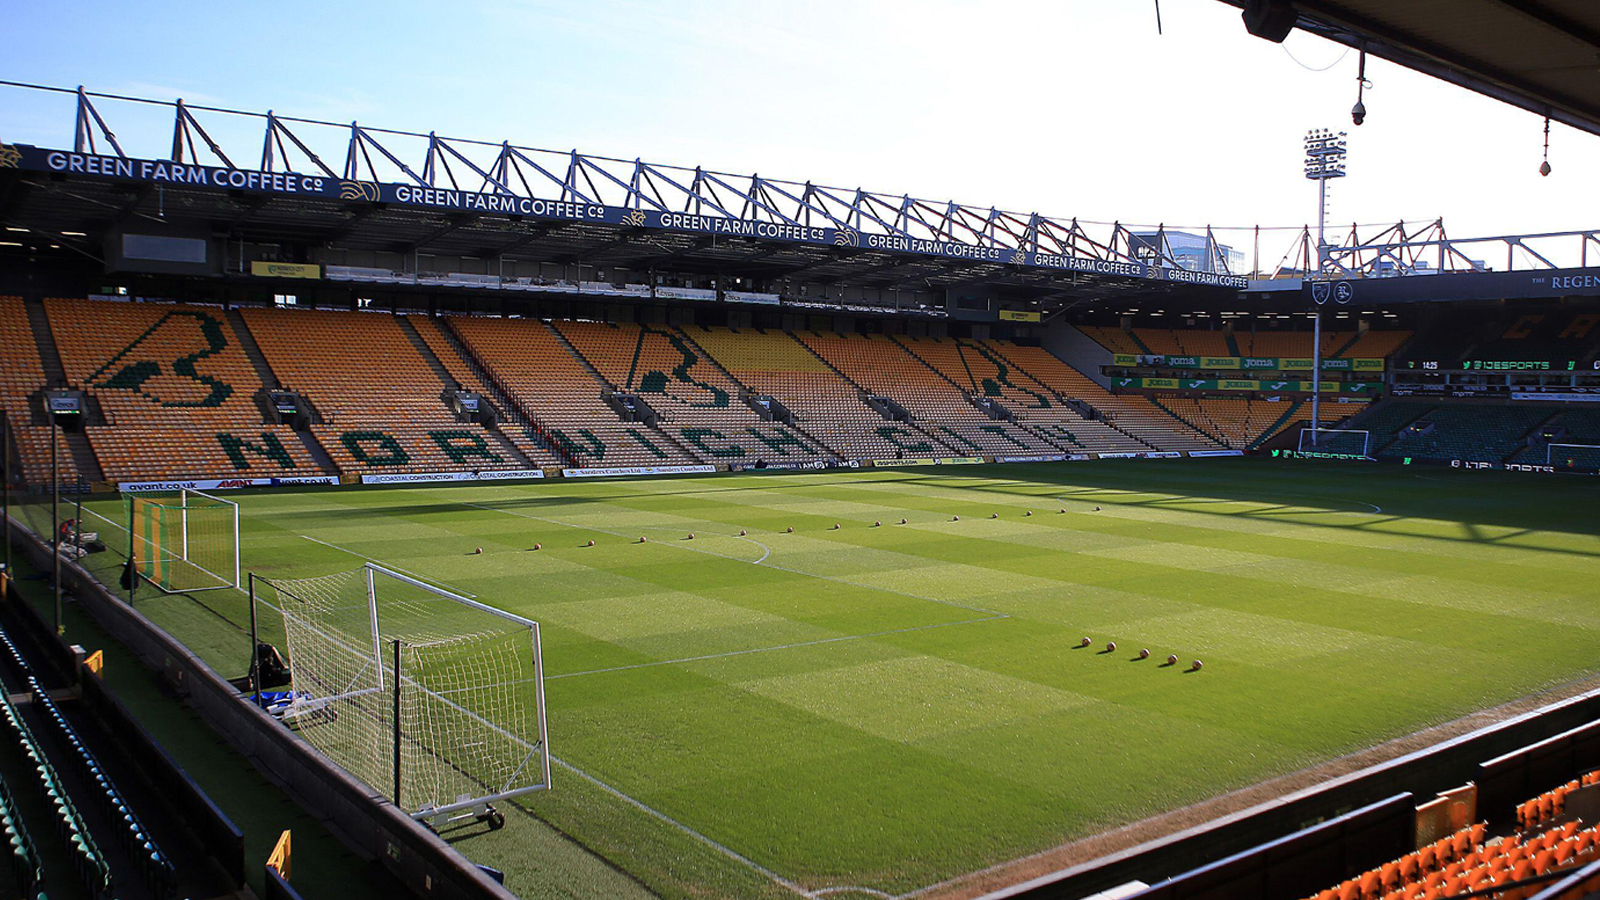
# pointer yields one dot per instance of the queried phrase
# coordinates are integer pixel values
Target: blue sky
(1071, 108)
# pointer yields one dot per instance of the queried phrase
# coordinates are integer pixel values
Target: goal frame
(384, 652)
(1366, 441)
(1549, 451)
(232, 580)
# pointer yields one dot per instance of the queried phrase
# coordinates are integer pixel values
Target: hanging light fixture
(1544, 167)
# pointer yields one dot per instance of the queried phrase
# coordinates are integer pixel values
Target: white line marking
(832, 640)
(709, 842)
(436, 582)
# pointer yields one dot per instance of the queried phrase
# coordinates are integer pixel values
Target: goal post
(429, 697)
(1344, 441)
(185, 543)
(1572, 456)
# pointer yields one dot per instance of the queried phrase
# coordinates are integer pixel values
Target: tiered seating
(21, 376)
(986, 372)
(1114, 339)
(88, 860)
(936, 405)
(1239, 423)
(1551, 804)
(696, 403)
(176, 389)
(26, 866)
(1375, 345)
(381, 403)
(1139, 424)
(433, 335)
(553, 389)
(1183, 342)
(1469, 432)
(1467, 862)
(1542, 336)
(1582, 427)
(825, 405)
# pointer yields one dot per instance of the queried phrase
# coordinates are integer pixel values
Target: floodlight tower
(1325, 155)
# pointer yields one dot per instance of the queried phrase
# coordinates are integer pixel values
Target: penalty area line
(714, 844)
(434, 581)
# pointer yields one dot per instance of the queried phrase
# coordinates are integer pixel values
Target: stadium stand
(21, 378)
(935, 403)
(1477, 433)
(824, 404)
(985, 370)
(381, 403)
(89, 861)
(1142, 425)
(553, 389)
(1238, 423)
(1368, 344)
(697, 404)
(27, 868)
(1517, 336)
(1114, 339)
(527, 442)
(178, 395)
(1576, 436)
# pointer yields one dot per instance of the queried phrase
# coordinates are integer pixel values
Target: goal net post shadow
(1347, 441)
(184, 543)
(1572, 456)
(429, 697)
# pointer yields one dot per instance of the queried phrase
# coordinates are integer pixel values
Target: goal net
(1572, 456)
(427, 696)
(185, 543)
(1343, 441)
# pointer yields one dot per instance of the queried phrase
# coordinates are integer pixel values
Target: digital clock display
(1498, 365)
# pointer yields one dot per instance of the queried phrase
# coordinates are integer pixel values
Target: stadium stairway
(252, 350)
(745, 392)
(55, 373)
(1277, 426)
(427, 354)
(1232, 342)
(587, 366)
(504, 444)
(1343, 348)
(1213, 433)
(1137, 342)
(509, 407)
(319, 454)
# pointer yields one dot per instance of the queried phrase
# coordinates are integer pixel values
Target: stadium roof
(1541, 55)
(266, 178)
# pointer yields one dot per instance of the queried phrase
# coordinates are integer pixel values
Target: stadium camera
(1358, 113)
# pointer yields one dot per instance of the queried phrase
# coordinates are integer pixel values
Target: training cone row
(689, 536)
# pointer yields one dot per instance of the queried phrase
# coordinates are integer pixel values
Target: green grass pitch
(889, 706)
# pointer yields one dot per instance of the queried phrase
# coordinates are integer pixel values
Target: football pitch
(882, 707)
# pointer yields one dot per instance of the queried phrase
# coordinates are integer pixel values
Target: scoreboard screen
(1498, 365)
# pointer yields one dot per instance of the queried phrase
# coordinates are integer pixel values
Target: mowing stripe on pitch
(993, 613)
(796, 645)
(434, 581)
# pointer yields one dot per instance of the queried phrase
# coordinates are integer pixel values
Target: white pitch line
(445, 585)
(725, 850)
(793, 646)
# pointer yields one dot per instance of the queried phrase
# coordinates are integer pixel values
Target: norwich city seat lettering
(164, 380)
